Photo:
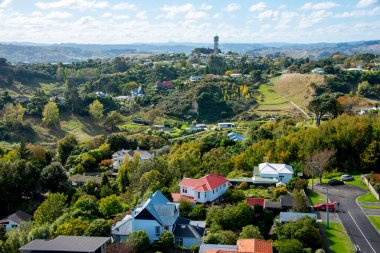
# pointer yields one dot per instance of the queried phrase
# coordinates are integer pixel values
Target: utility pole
(312, 166)
(327, 207)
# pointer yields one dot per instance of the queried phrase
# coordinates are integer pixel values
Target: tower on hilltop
(216, 44)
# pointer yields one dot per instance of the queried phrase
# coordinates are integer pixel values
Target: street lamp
(327, 208)
(313, 165)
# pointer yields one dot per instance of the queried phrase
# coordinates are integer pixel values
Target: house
(236, 75)
(242, 245)
(119, 156)
(63, 244)
(164, 85)
(235, 136)
(274, 171)
(156, 215)
(100, 94)
(318, 71)
(225, 125)
(293, 216)
(80, 180)
(138, 92)
(195, 78)
(255, 201)
(14, 220)
(202, 190)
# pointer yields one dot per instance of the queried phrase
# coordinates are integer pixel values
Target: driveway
(356, 223)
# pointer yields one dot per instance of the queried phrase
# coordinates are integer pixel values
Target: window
(179, 241)
(199, 195)
(184, 190)
(205, 194)
(166, 228)
(14, 226)
(158, 230)
(213, 191)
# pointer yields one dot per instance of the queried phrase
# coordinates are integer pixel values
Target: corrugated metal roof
(216, 247)
(293, 216)
(67, 244)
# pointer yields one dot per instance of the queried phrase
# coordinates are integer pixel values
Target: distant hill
(44, 53)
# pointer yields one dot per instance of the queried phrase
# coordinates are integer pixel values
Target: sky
(160, 21)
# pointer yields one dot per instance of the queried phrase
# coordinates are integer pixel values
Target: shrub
(244, 186)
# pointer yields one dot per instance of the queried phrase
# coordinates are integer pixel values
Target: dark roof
(286, 201)
(19, 217)
(84, 179)
(183, 228)
(66, 244)
(272, 204)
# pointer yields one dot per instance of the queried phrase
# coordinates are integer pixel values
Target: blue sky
(117, 21)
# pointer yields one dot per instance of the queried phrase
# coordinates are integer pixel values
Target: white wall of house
(203, 197)
(285, 177)
(187, 191)
(149, 226)
(11, 225)
(269, 175)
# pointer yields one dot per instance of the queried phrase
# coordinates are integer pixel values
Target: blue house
(156, 215)
(138, 92)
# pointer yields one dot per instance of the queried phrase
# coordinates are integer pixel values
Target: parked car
(323, 206)
(335, 182)
(347, 178)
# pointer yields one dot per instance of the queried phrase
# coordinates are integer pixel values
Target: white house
(138, 92)
(195, 78)
(14, 220)
(276, 171)
(224, 125)
(156, 215)
(205, 189)
(119, 156)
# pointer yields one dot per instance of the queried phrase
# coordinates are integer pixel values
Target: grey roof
(66, 244)
(123, 227)
(84, 179)
(188, 228)
(206, 247)
(286, 201)
(19, 217)
(293, 216)
(272, 204)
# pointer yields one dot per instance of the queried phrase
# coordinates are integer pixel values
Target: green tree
(299, 203)
(50, 209)
(99, 227)
(138, 241)
(72, 97)
(74, 227)
(96, 109)
(166, 240)
(226, 237)
(198, 213)
(13, 114)
(54, 177)
(185, 208)
(320, 105)
(122, 175)
(87, 205)
(249, 232)
(110, 206)
(289, 246)
(51, 114)
(113, 119)
(370, 156)
(66, 145)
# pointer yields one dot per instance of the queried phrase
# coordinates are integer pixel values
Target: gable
(145, 215)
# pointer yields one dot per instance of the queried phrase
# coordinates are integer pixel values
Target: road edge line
(361, 231)
(357, 202)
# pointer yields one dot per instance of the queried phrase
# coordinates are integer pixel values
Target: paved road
(356, 223)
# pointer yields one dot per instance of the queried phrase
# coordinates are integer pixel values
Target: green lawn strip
(375, 221)
(315, 197)
(337, 238)
(371, 207)
(357, 182)
(258, 193)
(368, 197)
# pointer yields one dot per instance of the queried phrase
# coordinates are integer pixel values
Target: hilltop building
(216, 44)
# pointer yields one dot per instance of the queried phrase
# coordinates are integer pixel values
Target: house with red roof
(202, 190)
(255, 201)
(242, 246)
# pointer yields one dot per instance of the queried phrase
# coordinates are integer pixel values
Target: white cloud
(59, 15)
(141, 15)
(196, 15)
(365, 3)
(285, 19)
(217, 15)
(37, 14)
(124, 6)
(314, 18)
(73, 4)
(107, 15)
(257, 7)
(173, 10)
(319, 6)
(268, 14)
(120, 17)
(5, 4)
(359, 13)
(232, 7)
(206, 7)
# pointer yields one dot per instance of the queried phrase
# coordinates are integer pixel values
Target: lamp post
(327, 207)
(313, 165)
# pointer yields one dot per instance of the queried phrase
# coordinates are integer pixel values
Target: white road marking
(361, 232)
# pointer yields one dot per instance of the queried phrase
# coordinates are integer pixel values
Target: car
(323, 206)
(335, 182)
(347, 178)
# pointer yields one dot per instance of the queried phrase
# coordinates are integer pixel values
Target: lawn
(272, 100)
(367, 198)
(258, 193)
(315, 197)
(375, 221)
(371, 207)
(357, 182)
(337, 238)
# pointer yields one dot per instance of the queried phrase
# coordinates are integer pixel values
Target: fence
(370, 187)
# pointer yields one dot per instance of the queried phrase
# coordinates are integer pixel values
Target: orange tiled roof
(254, 246)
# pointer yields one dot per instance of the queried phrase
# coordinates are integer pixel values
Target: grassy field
(315, 197)
(338, 239)
(375, 221)
(371, 207)
(367, 198)
(271, 101)
(258, 193)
